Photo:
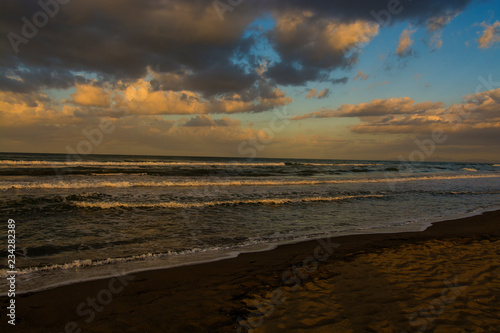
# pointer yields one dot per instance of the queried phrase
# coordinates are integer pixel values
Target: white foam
(76, 264)
(171, 163)
(117, 174)
(128, 164)
(125, 184)
(173, 204)
(338, 164)
(470, 169)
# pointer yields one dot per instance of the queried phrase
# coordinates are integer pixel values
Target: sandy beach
(440, 280)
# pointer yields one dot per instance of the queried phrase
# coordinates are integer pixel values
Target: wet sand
(444, 279)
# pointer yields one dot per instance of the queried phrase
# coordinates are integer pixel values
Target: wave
(331, 164)
(90, 263)
(173, 204)
(146, 163)
(117, 174)
(68, 201)
(472, 192)
(215, 183)
(125, 164)
(470, 169)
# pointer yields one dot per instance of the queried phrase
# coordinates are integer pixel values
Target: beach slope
(443, 279)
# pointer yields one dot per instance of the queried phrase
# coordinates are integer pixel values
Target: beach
(249, 166)
(439, 280)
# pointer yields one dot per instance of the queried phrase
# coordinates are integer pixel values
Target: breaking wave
(173, 204)
(76, 264)
(20, 164)
(171, 163)
(125, 184)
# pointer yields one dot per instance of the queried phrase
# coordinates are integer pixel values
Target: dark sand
(444, 279)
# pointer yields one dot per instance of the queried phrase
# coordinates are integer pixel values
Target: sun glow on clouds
(304, 37)
(405, 115)
(405, 42)
(89, 95)
(173, 78)
(490, 36)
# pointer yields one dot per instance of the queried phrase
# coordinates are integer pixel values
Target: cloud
(436, 41)
(213, 81)
(186, 102)
(378, 84)
(405, 42)
(312, 93)
(310, 48)
(206, 120)
(24, 119)
(301, 41)
(490, 36)
(324, 93)
(145, 134)
(27, 117)
(474, 121)
(141, 35)
(89, 95)
(190, 44)
(436, 24)
(140, 97)
(136, 62)
(361, 76)
(376, 107)
(26, 80)
(439, 22)
(18, 109)
(346, 10)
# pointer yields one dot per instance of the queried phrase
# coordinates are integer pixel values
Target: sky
(366, 80)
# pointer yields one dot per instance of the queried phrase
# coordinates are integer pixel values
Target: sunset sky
(300, 79)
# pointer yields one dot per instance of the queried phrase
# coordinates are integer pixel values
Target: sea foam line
(125, 184)
(173, 204)
(124, 164)
(76, 264)
(171, 163)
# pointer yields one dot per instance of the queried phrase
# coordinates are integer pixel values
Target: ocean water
(103, 215)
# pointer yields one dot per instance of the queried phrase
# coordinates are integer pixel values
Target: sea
(96, 216)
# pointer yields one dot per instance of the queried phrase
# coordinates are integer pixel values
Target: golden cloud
(89, 95)
(405, 43)
(490, 36)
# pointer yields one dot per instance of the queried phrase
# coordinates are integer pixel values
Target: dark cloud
(211, 81)
(418, 11)
(287, 73)
(324, 93)
(119, 39)
(31, 79)
(206, 120)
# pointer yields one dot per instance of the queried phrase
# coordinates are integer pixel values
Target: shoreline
(211, 293)
(231, 253)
